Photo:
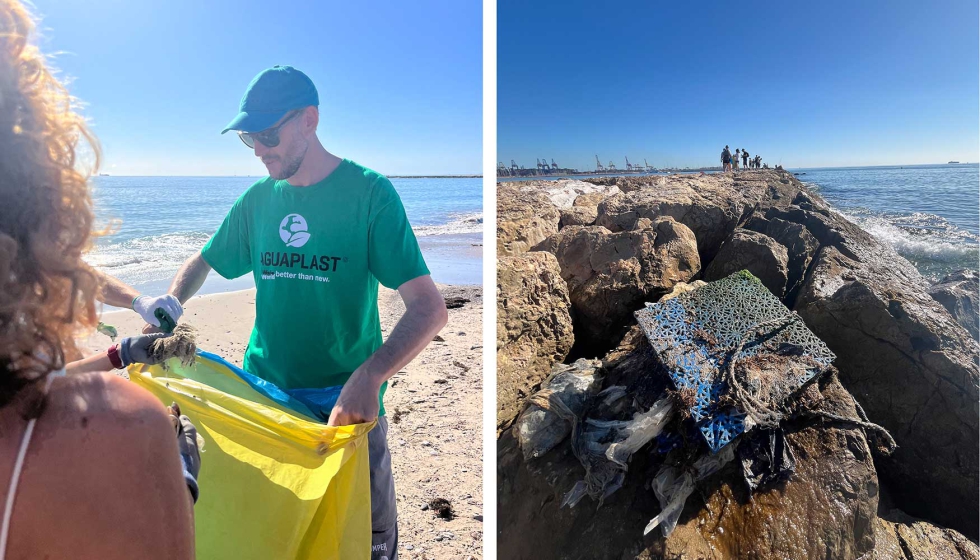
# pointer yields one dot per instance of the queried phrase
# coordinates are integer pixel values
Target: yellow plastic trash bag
(274, 483)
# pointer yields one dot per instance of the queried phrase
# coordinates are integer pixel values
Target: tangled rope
(761, 414)
(886, 443)
(769, 418)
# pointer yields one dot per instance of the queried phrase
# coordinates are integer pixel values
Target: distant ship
(952, 162)
(103, 174)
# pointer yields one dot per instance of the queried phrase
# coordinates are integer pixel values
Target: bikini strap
(8, 509)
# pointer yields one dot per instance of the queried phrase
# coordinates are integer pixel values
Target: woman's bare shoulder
(104, 395)
(104, 461)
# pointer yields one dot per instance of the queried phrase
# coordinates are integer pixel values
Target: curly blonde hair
(46, 290)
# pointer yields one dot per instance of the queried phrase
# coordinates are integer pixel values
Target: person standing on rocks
(318, 235)
(735, 161)
(726, 159)
(745, 159)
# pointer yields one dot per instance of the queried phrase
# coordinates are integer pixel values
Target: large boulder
(958, 293)
(611, 275)
(899, 536)
(534, 328)
(584, 209)
(577, 216)
(899, 352)
(711, 206)
(759, 254)
(912, 367)
(800, 245)
(592, 199)
(524, 219)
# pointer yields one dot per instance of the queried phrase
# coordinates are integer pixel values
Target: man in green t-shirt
(318, 235)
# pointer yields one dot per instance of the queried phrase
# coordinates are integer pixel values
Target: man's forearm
(116, 293)
(421, 322)
(189, 278)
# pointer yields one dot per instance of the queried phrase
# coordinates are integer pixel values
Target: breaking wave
(146, 259)
(459, 223)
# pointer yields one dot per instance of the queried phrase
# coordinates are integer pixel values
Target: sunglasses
(268, 137)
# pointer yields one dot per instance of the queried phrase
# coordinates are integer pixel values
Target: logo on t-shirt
(293, 232)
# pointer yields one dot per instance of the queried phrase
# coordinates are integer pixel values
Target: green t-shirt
(317, 254)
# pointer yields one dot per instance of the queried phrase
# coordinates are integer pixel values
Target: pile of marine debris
(730, 358)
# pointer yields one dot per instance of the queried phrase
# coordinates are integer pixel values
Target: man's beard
(291, 162)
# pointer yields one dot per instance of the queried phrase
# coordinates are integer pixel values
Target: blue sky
(805, 83)
(400, 83)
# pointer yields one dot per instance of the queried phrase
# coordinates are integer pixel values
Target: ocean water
(930, 214)
(156, 223)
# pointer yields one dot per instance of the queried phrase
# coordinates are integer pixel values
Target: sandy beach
(434, 411)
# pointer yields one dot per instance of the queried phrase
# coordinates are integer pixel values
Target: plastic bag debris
(605, 446)
(673, 485)
(550, 412)
(640, 431)
(610, 395)
(765, 458)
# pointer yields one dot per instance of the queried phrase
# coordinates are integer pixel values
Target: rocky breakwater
(902, 352)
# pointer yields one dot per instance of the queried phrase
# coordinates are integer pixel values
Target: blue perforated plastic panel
(695, 332)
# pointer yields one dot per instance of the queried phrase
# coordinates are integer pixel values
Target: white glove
(146, 306)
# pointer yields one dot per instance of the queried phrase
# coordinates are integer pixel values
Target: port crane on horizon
(553, 164)
(649, 168)
(611, 166)
(630, 166)
(598, 164)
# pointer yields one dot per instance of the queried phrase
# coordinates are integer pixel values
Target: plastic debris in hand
(550, 412)
(697, 334)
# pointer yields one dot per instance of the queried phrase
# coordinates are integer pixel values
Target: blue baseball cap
(270, 95)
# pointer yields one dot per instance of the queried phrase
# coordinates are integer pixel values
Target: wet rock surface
(534, 327)
(903, 351)
(826, 509)
(959, 293)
